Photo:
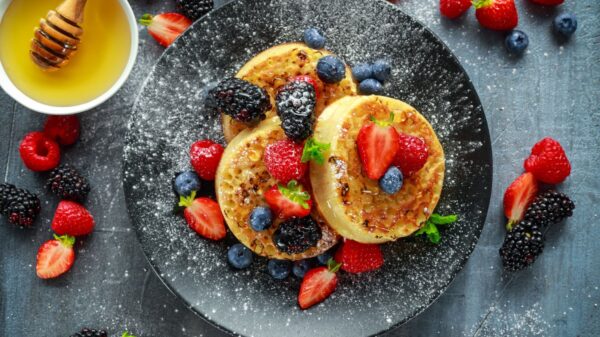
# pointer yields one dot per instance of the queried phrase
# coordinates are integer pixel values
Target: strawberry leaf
(383, 123)
(146, 19)
(187, 201)
(313, 150)
(65, 240)
(295, 193)
(333, 266)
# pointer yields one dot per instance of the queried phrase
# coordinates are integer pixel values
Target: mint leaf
(442, 220)
(430, 227)
(313, 150)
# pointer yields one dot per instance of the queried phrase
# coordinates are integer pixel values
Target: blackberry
(296, 235)
(522, 245)
(85, 332)
(296, 103)
(194, 9)
(68, 184)
(7, 192)
(21, 206)
(241, 100)
(549, 207)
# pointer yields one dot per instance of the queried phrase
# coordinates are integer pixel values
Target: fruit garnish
(565, 24)
(296, 103)
(39, 152)
(185, 182)
(239, 256)
(55, 257)
(522, 245)
(204, 216)
(318, 284)
(370, 86)
(72, 219)
(357, 257)
(431, 226)
(496, 14)
(239, 99)
(454, 8)
(296, 235)
(283, 160)
(377, 144)
(362, 71)
(279, 269)
(194, 9)
(308, 79)
(68, 184)
(548, 162)
(517, 198)
(382, 70)
(549, 208)
(165, 28)
(392, 180)
(331, 69)
(20, 205)
(516, 42)
(261, 218)
(412, 154)
(205, 156)
(127, 334)
(314, 150)
(63, 129)
(314, 38)
(289, 201)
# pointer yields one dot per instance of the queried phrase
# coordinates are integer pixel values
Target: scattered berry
(412, 154)
(242, 100)
(516, 42)
(300, 268)
(68, 184)
(517, 198)
(565, 24)
(452, 9)
(296, 235)
(194, 9)
(391, 182)
(279, 269)
(204, 216)
(72, 219)
(314, 38)
(55, 257)
(323, 258)
(549, 208)
(357, 257)
(7, 193)
(377, 145)
(289, 201)
(382, 70)
(186, 182)
(39, 152)
(548, 162)
(370, 86)
(20, 205)
(261, 218)
(165, 28)
(205, 156)
(296, 103)
(496, 14)
(362, 71)
(331, 69)
(85, 332)
(521, 246)
(548, 2)
(318, 284)
(239, 256)
(63, 129)
(283, 160)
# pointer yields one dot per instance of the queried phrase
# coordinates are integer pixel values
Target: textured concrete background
(553, 90)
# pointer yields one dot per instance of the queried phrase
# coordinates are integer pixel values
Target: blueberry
(300, 268)
(331, 69)
(381, 70)
(370, 86)
(323, 258)
(391, 182)
(279, 269)
(186, 182)
(239, 256)
(516, 42)
(565, 24)
(362, 71)
(261, 218)
(314, 39)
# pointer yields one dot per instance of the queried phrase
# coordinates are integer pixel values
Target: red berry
(283, 160)
(205, 156)
(548, 162)
(55, 257)
(357, 257)
(63, 129)
(454, 8)
(72, 219)
(377, 144)
(412, 154)
(289, 201)
(204, 216)
(318, 284)
(39, 152)
(496, 14)
(166, 27)
(548, 2)
(518, 196)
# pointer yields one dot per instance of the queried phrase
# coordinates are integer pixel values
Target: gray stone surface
(552, 91)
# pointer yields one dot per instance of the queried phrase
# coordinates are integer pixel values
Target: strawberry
(357, 257)
(496, 14)
(72, 219)
(518, 196)
(204, 216)
(548, 2)
(548, 162)
(64, 129)
(454, 8)
(39, 152)
(317, 284)
(289, 201)
(412, 154)
(205, 156)
(308, 79)
(55, 257)
(166, 27)
(377, 145)
(283, 160)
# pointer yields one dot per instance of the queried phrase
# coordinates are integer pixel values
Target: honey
(100, 60)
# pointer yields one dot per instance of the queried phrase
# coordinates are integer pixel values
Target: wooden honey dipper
(55, 40)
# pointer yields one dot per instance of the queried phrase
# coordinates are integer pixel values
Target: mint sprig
(431, 229)
(295, 193)
(314, 150)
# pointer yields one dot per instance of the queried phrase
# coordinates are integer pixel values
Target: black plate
(169, 115)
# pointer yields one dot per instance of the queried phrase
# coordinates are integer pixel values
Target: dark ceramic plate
(170, 114)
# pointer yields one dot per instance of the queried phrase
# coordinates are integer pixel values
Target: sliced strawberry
(518, 196)
(72, 219)
(166, 27)
(204, 216)
(377, 145)
(357, 257)
(318, 284)
(289, 201)
(55, 257)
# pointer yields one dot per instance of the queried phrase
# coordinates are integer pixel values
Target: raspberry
(205, 156)
(283, 160)
(357, 257)
(63, 129)
(39, 152)
(548, 162)
(412, 154)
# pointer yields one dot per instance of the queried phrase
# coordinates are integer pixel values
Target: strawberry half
(377, 145)
(518, 196)
(72, 219)
(289, 201)
(55, 257)
(357, 257)
(496, 14)
(204, 216)
(165, 28)
(318, 284)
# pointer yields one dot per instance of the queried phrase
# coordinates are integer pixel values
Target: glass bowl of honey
(104, 58)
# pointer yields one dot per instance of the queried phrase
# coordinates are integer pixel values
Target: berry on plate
(307, 79)
(205, 156)
(516, 42)
(21, 206)
(454, 8)
(289, 201)
(362, 71)
(431, 226)
(63, 129)
(318, 284)
(39, 152)
(548, 162)
(186, 182)
(565, 24)
(370, 86)
(314, 38)
(68, 184)
(204, 216)
(165, 28)
(296, 235)
(357, 257)
(412, 154)
(55, 257)
(391, 182)
(279, 269)
(261, 218)
(72, 219)
(382, 70)
(314, 150)
(331, 69)
(548, 2)
(300, 268)
(283, 160)
(194, 9)
(496, 14)
(377, 145)
(239, 256)
(517, 198)
(295, 104)
(239, 99)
